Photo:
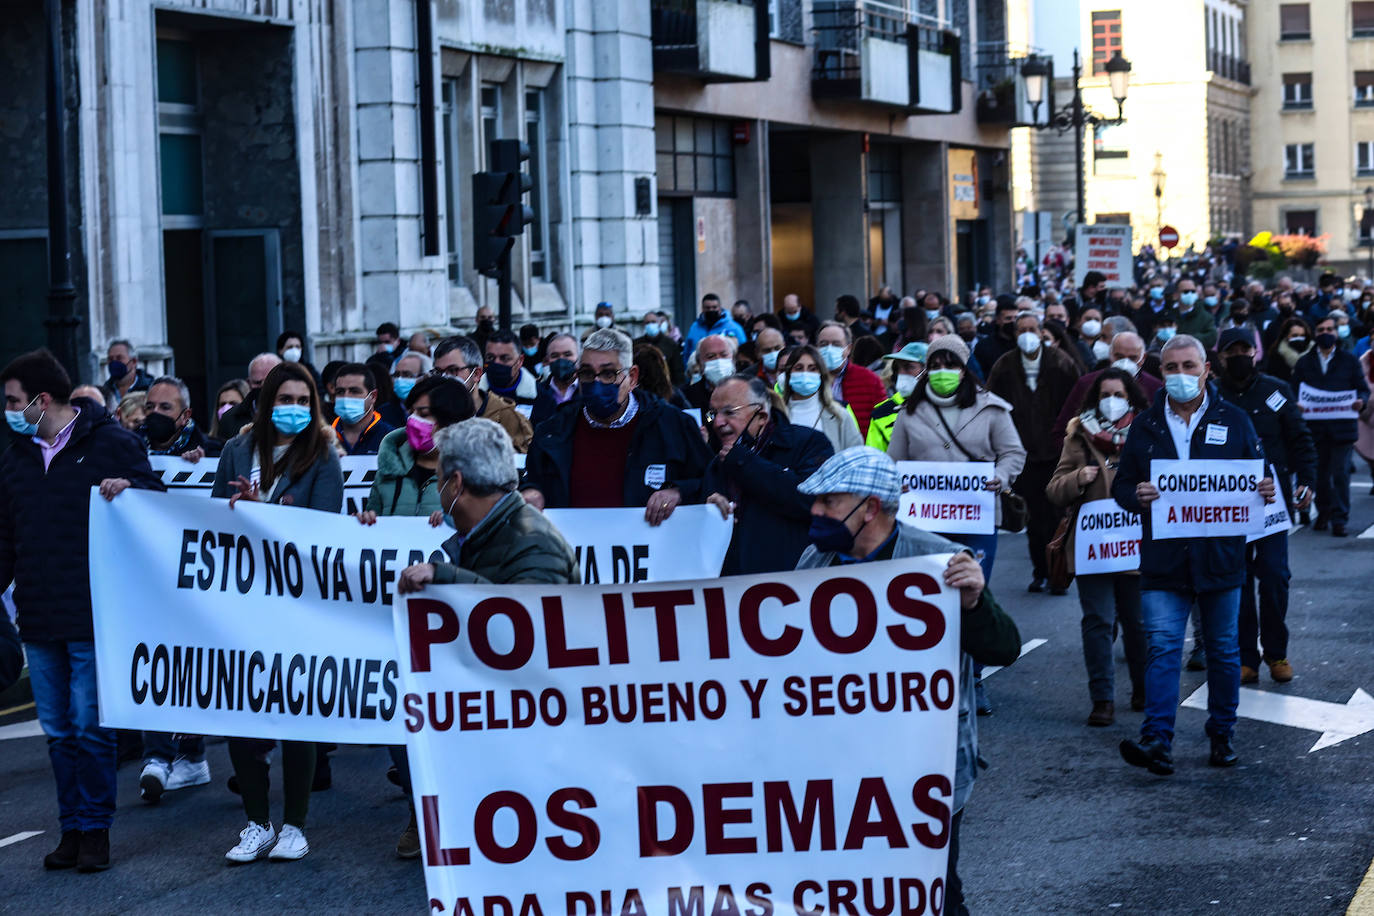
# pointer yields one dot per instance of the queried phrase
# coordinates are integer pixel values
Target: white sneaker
(253, 842)
(291, 845)
(185, 773)
(152, 782)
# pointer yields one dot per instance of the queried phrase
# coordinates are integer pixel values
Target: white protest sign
(1106, 539)
(1276, 518)
(948, 496)
(1105, 248)
(730, 747)
(273, 622)
(1317, 404)
(1206, 498)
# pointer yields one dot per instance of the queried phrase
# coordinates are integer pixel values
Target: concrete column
(610, 110)
(927, 231)
(839, 221)
(753, 217)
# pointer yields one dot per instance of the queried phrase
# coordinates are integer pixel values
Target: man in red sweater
(855, 385)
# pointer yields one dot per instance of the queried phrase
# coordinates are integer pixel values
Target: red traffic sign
(1168, 236)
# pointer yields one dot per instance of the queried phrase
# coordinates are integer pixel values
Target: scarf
(1106, 438)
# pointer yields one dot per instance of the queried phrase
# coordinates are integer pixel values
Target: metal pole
(61, 321)
(1078, 124)
(503, 291)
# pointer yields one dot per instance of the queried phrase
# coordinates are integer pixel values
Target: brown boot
(1249, 675)
(408, 846)
(1103, 714)
(1280, 670)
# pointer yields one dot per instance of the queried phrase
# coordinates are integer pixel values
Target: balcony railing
(713, 40)
(1228, 67)
(883, 54)
(1001, 91)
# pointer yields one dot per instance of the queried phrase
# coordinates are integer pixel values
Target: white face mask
(717, 370)
(1127, 365)
(1101, 349)
(1113, 407)
(604, 321)
(291, 354)
(907, 384)
(1028, 341)
(1091, 328)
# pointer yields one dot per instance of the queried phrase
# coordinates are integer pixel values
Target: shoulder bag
(1014, 512)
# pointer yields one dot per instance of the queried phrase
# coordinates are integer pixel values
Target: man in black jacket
(61, 450)
(1288, 448)
(613, 445)
(11, 652)
(1326, 367)
(760, 460)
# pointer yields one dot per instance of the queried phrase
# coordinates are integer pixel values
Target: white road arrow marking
(1336, 721)
(1033, 644)
(19, 837)
(1368, 532)
(30, 729)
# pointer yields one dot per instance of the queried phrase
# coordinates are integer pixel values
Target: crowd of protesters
(788, 421)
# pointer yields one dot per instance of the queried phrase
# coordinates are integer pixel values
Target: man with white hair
(616, 444)
(1127, 352)
(716, 357)
(1192, 422)
(125, 373)
(242, 413)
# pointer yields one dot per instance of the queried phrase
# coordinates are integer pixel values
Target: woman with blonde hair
(805, 387)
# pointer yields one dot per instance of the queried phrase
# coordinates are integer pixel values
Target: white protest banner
(1106, 248)
(1106, 539)
(1276, 517)
(754, 743)
(274, 622)
(1206, 498)
(1317, 404)
(948, 496)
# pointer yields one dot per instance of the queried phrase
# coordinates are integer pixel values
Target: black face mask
(1240, 368)
(159, 428)
(563, 370)
(486, 325)
(1326, 341)
(709, 319)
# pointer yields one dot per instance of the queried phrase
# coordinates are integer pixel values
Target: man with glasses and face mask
(760, 460)
(615, 445)
(460, 358)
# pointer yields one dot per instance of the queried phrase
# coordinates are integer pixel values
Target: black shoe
(1138, 700)
(64, 856)
(1037, 584)
(94, 851)
(1149, 753)
(1319, 524)
(1338, 530)
(1223, 753)
(1059, 591)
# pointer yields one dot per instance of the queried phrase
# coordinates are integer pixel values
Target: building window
(885, 173)
(1295, 22)
(1300, 222)
(538, 168)
(1298, 160)
(1106, 38)
(694, 156)
(452, 140)
(1362, 19)
(1364, 157)
(1297, 91)
(491, 118)
(1111, 149)
(1364, 88)
(180, 123)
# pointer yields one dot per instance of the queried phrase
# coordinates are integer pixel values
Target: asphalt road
(1058, 824)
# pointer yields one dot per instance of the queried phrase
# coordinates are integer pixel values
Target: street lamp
(1074, 116)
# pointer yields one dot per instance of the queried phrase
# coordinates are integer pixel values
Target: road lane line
(20, 730)
(14, 709)
(19, 837)
(1362, 904)
(1033, 644)
(1368, 532)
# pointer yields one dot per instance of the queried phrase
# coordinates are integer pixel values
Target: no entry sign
(1168, 236)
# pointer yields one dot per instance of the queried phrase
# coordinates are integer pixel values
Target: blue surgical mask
(1342, 331)
(1188, 299)
(833, 356)
(1165, 333)
(531, 351)
(290, 419)
(402, 386)
(652, 329)
(804, 384)
(770, 360)
(1156, 292)
(601, 400)
(15, 418)
(1182, 387)
(1209, 301)
(350, 410)
(932, 314)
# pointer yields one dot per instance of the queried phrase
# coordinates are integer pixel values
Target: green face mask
(944, 381)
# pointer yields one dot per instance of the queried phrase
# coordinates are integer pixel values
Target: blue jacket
(1185, 564)
(1343, 373)
(699, 332)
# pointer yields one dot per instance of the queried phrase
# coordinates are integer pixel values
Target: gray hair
(848, 334)
(758, 391)
(1117, 324)
(426, 363)
(271, 358)
(965, 316)
(577, 346)
(126, 344)
(183, 392)
(1027, 313)
(730, 342)
(609, 340)
(481, 451)
(1179, 341)
(907, 302)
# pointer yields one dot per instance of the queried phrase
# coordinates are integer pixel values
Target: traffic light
(499, 211)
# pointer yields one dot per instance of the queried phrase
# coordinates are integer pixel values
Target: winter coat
(11, 652)
(526, 388)
(985, 430)
(545, 403)
(881, 422)
(45, 520)
(320, 487)
(986, 636)
(371, 439)
(663, 436)
(1073, 404)
(1343, 373)
(1184, 564)
(1065, 491)
(514, 543)
(698, 332)
(1198, 323)
(1274, 412)
(862, 391)
(1034, 412)
(839, 426)
(394, 491)
(771, 517)
(1364, 443)
(502, 412)
(142, 382)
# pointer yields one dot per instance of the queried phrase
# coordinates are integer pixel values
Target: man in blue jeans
(62, 447)
(1189, 421)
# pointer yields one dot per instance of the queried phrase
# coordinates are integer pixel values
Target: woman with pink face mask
(405, 485)
(230, 393)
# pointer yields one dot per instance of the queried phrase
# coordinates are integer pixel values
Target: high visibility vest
(883, 420)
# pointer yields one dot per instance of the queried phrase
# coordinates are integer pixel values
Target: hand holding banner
(1106, 539)
(685, 747)
(1206, 498)
(1317, 404)
(948, 496)
(1276, 517)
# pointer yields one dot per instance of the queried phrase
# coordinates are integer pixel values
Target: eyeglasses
(731, 413)
(452, 371)
(586, 375)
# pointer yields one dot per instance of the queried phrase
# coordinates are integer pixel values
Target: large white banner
(1317, 404)
(1106, 248)
(1206, 498)
(948, 496)
(1276, 517)
(752, 745)
(274, 622)
(1106, 539)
